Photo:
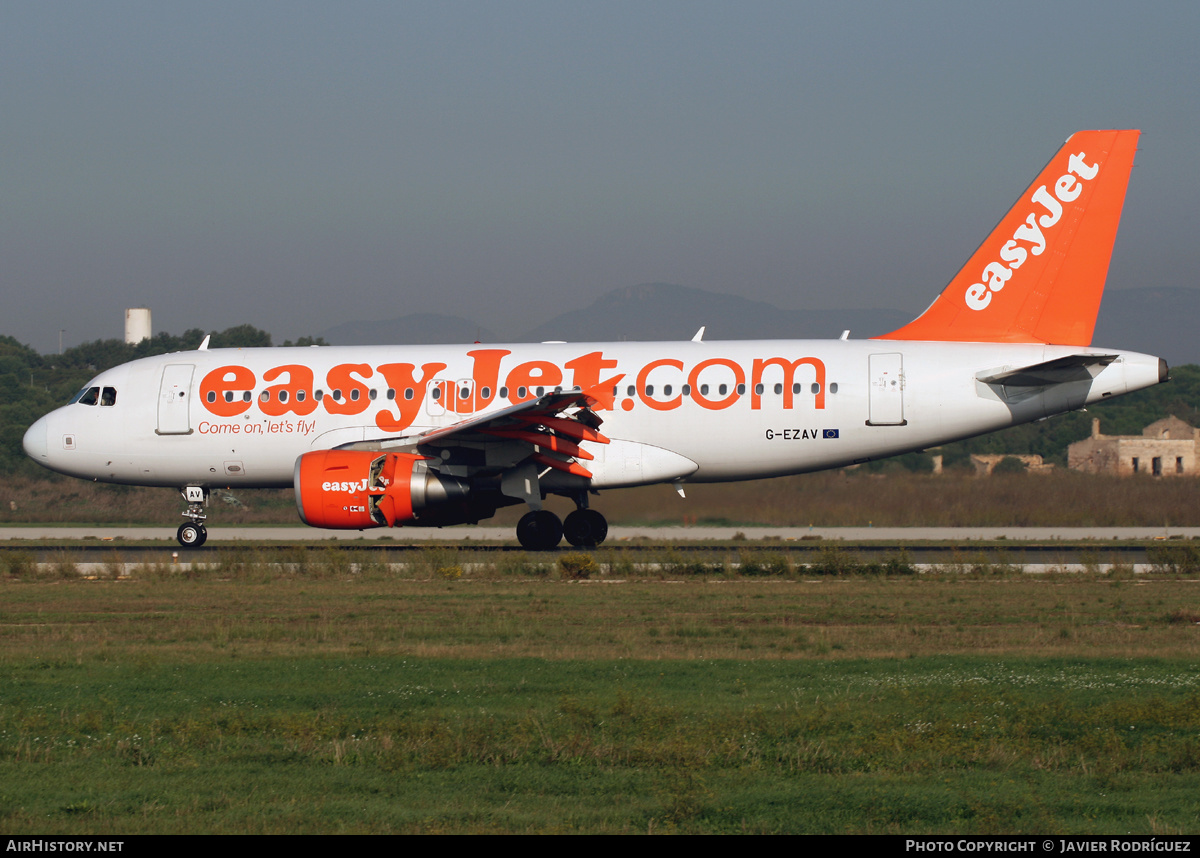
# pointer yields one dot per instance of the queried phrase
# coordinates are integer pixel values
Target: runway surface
(219, 534)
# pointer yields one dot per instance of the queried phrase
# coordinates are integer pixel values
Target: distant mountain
(421, 329)
(664, 311)
(1161, 321)
(1157, 320)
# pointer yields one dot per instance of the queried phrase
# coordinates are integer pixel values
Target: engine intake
(357, 489)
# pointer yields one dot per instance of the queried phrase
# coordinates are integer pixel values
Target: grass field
(266, 695)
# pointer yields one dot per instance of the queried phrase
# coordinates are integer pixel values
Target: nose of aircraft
(35, 444)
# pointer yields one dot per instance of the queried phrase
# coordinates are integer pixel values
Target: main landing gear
(541, 530)
(192, 533)
(585, 528)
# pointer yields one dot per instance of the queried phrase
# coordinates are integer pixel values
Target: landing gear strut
(192, 533)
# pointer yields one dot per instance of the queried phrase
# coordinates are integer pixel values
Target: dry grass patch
(236, 608)
(827, 499)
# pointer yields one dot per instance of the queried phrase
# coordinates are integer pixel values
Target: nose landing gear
(192, 533)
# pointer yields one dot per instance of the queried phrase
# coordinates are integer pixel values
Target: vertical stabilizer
(1039, 276)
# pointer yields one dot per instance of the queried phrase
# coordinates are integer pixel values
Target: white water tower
(137, 325)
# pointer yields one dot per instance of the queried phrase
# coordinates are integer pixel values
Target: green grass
(304, 697)
(943, 744)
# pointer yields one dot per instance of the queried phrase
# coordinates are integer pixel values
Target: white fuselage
(689, 411)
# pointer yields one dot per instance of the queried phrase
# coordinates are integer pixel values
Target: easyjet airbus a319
(385, 436)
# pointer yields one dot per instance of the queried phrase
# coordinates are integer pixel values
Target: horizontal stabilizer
(1058, 371)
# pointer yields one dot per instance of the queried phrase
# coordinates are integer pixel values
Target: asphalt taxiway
(886, 535)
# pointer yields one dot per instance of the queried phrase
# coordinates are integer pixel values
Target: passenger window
(741, 388)
(391, 394)
(408, 393)
(649, 389)
(816, 388)
(299, 395)
(319, 395)
(687, 390)
(778, 389)
(228, 396)
(109, 397)
(283, 396)
(486, 393)
(666, 390)
(796, 387)
(758, 388)
(246, 396)
(630, 391)
(722, 389)
(521, 391)
(265, 396)
(704, 390)
(504, 393)
(437, 394)
(372, 393)
(337, 395)
(354, 395)
(212, 396)
(833, 387)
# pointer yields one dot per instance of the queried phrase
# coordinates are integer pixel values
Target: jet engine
(357, 489)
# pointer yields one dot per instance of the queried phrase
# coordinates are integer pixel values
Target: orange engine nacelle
(356, 489)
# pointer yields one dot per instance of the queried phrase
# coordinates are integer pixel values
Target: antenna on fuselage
(204, 343)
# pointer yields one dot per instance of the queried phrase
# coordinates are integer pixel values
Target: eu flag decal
(829, 433)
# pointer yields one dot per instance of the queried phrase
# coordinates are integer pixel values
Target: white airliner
(385, 436)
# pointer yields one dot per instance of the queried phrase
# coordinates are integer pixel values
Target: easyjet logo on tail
(1039, 274)
(1029, 238)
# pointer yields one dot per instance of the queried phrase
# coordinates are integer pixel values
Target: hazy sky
(297, 165)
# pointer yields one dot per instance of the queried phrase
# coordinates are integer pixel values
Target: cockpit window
(94, 396)
(87, 396)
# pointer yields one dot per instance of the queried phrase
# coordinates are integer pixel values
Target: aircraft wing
(552, 425)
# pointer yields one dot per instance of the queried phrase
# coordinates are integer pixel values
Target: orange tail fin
(1039, 276)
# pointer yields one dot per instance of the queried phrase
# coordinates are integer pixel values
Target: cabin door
(886, 390)
(174, 400)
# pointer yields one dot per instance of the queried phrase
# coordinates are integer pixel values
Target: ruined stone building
(1166, 448)
(985, 463)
